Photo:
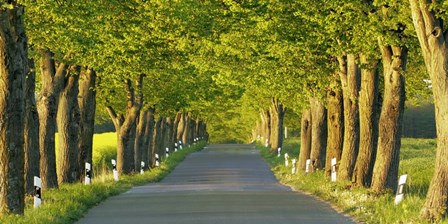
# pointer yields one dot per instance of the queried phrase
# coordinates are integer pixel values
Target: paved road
(228, 184)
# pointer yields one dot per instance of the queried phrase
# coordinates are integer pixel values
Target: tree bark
(368, 124)
(126, 125)
(385, 172)
(156, 140)
(318, 134)
(149, 133)
(176, 123)
(187, 130)
(68, 121)
(181, 127)
(168, 134)
(335, 115)
(277, 112)
(13, 69)
(433, 41)
(266, 120)
(31, 131)
(130, 147)
(161, 138)
(192, 130)
(349, 80)
(87, 107)
(305, 139)
(140, 141)
(47, 106)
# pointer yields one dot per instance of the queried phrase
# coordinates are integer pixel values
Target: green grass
(69, 202)
(417, 160)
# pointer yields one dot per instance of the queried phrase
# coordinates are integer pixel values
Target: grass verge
(70, 202)
(417, 160)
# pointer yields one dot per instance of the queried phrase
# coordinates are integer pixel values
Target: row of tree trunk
(365, 142)
(141, 133)
(67, 103)
(27, 132)
(356, 127)
(270, 126)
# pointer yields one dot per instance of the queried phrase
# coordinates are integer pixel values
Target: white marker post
(37, 192)
(400, 189)
(307, 166)
(333, 170)
(267, 142)
(279, 151)
(114, 165)
(88, 176)
(180, 145)
(293, 169)
(157, 160)
(175, 147)
(286, 132)
(167, 152)
(286, 159)
(142, 167)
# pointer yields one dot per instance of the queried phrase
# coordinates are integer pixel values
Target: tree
(349, 80)
(305, 141)
(87, 108)
(31, 131)
(277, 112)
(368, 104)
(47, 109)
(68, 122)
(335, 122)
(125, 123)
(393, 44)
(318, 134)
(385, 173)
(428, 21)
(13, 70)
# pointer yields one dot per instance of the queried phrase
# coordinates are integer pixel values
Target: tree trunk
(305, 139)
(130, 147)
(266, 120)
(13, 69)
(187, 130)
(433, 41)
(181, 127)
(156, 140)
(349, 80)
(68, 121)
(192, 131)
(126, 126)
(47, 106)
(335, 126)
(274, 129)
(318, 134)
(385, 172)
(161, 138)
(168, 133)
(177, 119)
(368, 124)
(31, 132)
(140, 139)
(277, 112)
(262, 128)
(149, 133)
(87, 107)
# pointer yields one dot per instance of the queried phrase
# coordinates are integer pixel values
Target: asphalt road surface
(221, 184)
